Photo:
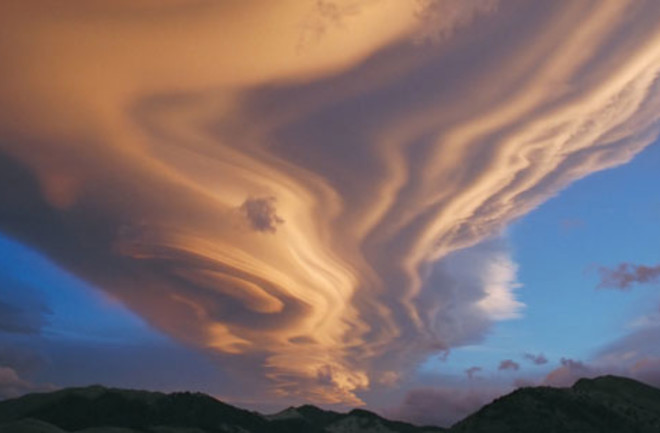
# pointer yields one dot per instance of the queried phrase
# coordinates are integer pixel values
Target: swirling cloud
(140, 137)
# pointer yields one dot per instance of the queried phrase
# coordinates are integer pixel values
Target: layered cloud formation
(305, 189)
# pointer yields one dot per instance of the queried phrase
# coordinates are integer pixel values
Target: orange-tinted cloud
(282, 184)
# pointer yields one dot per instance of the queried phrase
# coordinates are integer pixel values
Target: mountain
(83, 408)
(602, 405)
(98, 409)
(310, 419)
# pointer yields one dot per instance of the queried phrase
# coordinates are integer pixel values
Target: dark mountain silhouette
(603, 405)
(97, 409)
(80, 408)
(310, 419)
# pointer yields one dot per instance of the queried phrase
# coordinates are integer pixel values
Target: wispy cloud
(126, 157)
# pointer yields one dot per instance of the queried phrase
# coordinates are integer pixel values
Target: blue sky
(608, 218)
(87, 337)
(76, 310)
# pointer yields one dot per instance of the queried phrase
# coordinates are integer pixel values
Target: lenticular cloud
(285, 184)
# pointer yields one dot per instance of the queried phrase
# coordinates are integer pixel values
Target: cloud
(539, 359)
(442, 406)
(569, 372)
(632, 355)
(12, 385)
(449, 403)
(643, 368)
(467, 292)
(647, 370)
(472, 371)
(433, 13)
(522, 382)
(261, 214)
(509, 364)
(125, 158)
(626, 274)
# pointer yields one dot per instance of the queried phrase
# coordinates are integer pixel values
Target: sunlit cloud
(302, 189)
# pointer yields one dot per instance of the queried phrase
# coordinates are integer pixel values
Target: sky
(412, 206)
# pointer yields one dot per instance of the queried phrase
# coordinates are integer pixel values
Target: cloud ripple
(140, 138)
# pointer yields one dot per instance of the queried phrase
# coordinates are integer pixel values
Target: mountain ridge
(601, 405)
(94, 407)
(604, 404)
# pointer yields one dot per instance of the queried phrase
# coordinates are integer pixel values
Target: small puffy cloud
(539, 359)
(472, 371)
(261, 214)
(509, 364)
(625, 275)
